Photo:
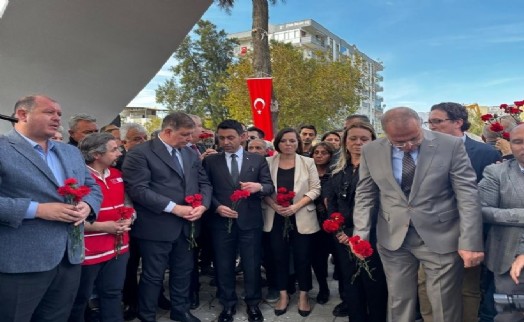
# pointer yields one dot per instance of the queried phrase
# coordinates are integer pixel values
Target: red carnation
(505, 135)
(363, 248)
(496, 127)
(503, 106)
(284, 197)
(337, 217)
(330, 226)
(486, 117)
(519, 103)
(70, 181)
(515, 110)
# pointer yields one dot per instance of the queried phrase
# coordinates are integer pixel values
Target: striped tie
(408, 173)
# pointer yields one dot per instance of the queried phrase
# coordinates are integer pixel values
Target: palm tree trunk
(261, 57)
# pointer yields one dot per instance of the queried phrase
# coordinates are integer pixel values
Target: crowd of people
(441, 211)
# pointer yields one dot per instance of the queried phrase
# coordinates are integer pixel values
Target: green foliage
(316, 91)
(153, 124)
(196, 86)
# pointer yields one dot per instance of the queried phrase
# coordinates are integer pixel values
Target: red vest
(101, 247)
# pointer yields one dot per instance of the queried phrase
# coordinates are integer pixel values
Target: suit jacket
(306, 183)
(481, 155)
(36, 245)
(152, 181)
(501, 192)
(443, 205)
(254, 169)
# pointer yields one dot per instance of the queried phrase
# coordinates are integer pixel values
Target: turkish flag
(260, 93)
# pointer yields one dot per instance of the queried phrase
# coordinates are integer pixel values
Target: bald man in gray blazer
(429, 213)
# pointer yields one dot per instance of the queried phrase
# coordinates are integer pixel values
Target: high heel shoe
(279, 312)
(304, 313)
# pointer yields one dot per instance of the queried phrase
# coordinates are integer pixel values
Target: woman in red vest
(106, 240)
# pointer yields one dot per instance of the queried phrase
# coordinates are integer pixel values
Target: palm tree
(259, 35)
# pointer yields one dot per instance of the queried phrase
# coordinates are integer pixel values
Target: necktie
(178, 166)
(234, 168)
(408, 173)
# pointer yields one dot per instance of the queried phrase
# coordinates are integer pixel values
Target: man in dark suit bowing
(228, 171)
(159, 175)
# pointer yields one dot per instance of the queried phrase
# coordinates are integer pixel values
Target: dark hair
(95, 143)
(177, 120)
(361, 117)
(310, 127)
(261, 133)
(326, 145)
(281, 133)
(324, 137)
(455, 112)
(231, 125)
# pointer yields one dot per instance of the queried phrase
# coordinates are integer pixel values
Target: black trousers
(282, 247)
(108, 277)
(130, 293)
(322, 246)
(156, 257)
(249, 245)
(366, 298)
(39, 297)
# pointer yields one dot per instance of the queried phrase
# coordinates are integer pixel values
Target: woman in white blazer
(290, 228)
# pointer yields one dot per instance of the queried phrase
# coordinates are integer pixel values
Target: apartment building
(312, 37)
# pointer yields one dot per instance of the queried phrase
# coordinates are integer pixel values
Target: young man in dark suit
(39, 253)
(228, 171)
(159, 175)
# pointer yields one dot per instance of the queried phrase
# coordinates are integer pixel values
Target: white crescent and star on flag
(257, 102)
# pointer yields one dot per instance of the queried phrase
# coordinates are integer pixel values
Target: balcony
(312, 43)
(378, 88)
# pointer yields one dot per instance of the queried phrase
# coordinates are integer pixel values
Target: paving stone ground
(210, 308)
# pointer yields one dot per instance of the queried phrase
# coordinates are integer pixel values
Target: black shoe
(227, 315)
(254, 314)
(341, 310)
(279, 312)
(164, 303)
(130, 313)
(323, 297)
(184, 317)
(304, 313)
(194, 300)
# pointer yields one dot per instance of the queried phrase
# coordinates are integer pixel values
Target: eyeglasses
(437, 121)
(406, 144)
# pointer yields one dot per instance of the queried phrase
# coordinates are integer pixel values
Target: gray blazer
(36, 245)
(443, 205)
(501, 194)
